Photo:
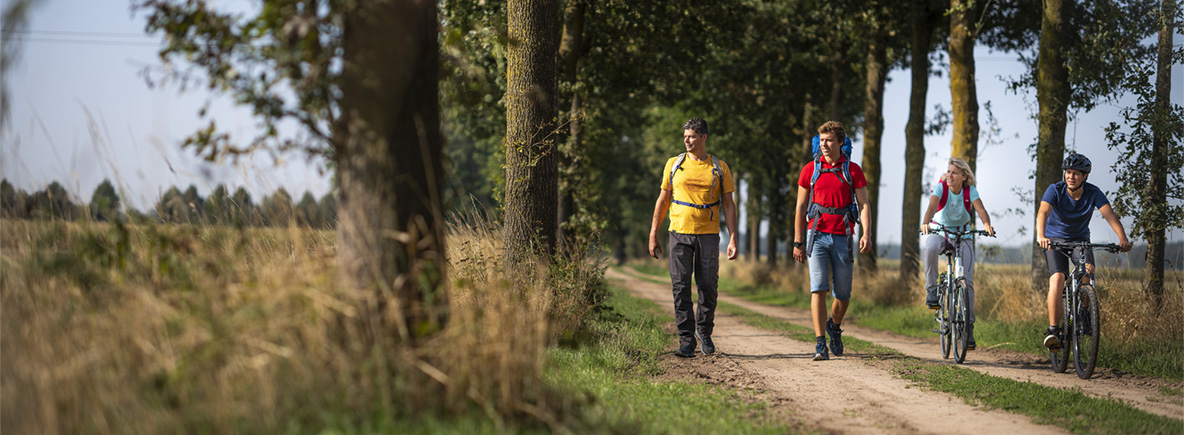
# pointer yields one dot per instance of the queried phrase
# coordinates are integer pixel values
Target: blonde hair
(965, 167)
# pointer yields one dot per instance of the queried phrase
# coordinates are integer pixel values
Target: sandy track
(842, 395)
(1140, 392)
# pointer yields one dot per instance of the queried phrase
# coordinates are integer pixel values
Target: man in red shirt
(831, 227)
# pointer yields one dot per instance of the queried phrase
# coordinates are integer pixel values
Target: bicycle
(1080, 322)
(953, 316)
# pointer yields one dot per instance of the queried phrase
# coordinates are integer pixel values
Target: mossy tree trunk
(532, 186)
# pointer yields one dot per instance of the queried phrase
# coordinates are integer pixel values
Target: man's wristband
(797, 244)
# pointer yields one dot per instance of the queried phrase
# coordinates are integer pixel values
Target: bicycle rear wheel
(960, 310)
(1060, 358)
(1086, 332)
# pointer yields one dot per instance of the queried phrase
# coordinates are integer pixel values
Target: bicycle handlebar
(957, 233)
(1064, 246)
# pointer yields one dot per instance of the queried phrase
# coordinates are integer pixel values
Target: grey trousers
(930, 249)
(698, 255)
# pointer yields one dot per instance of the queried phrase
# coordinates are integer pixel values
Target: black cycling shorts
(1058, 262)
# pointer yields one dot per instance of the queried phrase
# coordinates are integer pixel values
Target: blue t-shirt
(954, 214)
(1070, 218)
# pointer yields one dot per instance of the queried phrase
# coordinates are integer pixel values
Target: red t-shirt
(831, 191)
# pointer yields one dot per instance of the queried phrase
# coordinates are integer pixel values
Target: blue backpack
(850, 212)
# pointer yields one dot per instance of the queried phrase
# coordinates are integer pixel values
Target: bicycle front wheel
(1060, 358)
(960, 310)
(943, 317)
(1086, 332)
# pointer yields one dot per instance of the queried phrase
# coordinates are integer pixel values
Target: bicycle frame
(1078, 325)
(953, 316)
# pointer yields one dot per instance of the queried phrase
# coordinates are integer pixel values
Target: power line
(76, 33)
(84, 42)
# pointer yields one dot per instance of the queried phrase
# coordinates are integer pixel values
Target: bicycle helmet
(1077, 161)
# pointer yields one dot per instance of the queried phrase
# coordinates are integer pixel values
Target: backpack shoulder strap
(966, 201)
(718, 173)
(675, 167)
(945, 194)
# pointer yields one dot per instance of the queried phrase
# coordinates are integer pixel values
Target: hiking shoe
(820, 353)
(836, 337)
(705, 341)
(686, 350)
(1053, 340)
(970, 337)
(931, 302)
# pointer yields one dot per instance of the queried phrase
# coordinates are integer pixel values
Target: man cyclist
(1065, 212)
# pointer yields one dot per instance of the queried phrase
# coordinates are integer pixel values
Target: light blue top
(954, 213)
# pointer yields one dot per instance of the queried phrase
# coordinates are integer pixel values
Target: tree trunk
(531, 209)
(1052, 94)
(775, 204)
(836, 89)
(391, 228)
(873, 130)
(570, 49)
(754, 220)
(1160, 147)
(963, 92)
(915, 142)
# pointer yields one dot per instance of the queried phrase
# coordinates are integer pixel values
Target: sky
(82, 112)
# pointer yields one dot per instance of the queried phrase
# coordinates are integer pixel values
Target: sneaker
(1053, 340)
(686, 350)
(970, 337)
(931, 302)
(820, 353)
(705, 341)
(836, 337)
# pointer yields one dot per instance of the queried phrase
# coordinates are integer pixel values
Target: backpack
(850, 212)
(945, 193)
(717, 178)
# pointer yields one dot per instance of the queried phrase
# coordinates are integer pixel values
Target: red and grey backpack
(945, 194)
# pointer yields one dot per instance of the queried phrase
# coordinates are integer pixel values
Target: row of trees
(766, 74)
(188, 207)
(559, 113)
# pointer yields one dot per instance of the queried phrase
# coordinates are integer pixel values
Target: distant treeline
(221, 207)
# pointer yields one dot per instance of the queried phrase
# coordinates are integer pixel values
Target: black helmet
(1077, 161)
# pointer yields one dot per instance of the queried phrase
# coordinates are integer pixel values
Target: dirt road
(846, 395)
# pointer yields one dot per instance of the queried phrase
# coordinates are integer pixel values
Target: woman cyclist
(950, 205)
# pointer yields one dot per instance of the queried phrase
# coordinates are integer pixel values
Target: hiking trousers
(697, 255)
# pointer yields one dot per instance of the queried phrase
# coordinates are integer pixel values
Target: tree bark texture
(1160, 148)
(754, 220)
(1052, 94)
(391, 227)
(570, 49)
(532, 188)
(873, 131)
(914, 154)
(963, 92)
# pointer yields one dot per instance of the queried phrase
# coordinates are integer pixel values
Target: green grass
(1164, 360)
(1067, 408)
(616, 372)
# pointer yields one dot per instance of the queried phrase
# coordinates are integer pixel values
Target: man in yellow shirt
(700, 187)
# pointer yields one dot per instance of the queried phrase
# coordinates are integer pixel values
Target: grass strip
(615, 371)
(1164, 360)
(1062, 407)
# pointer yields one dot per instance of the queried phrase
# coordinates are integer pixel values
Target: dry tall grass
(167, 329)
(1003, 293)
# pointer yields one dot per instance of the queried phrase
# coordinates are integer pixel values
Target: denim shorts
(831, 254)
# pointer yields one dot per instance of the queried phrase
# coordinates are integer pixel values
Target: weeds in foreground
(168, 329)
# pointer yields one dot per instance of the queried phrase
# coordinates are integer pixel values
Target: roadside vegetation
(118, 328)
(1136, 338)
(1062, 407)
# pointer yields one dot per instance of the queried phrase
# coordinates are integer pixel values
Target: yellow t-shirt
(692, 184)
